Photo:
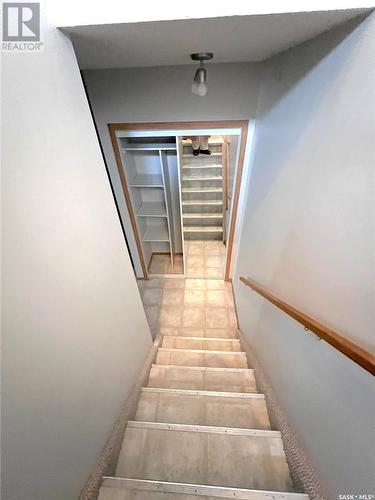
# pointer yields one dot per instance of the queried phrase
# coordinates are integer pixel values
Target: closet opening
(181, 184)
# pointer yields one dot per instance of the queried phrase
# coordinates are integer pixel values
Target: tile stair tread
(193, 357)
(203, 408)
(200, 344)
(202, 190)
(193, 166)
(202, 378)
(191, 453)
(202, 202)
(203, 216)
(202, 178)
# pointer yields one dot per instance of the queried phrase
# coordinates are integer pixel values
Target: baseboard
(304, 476)
(107, 460)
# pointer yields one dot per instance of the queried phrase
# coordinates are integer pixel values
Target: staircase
(202, 192)
(201, 430)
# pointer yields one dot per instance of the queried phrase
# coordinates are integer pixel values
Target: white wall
(308, 236)
(74, 331)
(164, 94)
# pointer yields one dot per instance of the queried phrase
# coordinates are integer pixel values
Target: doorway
(182, 206)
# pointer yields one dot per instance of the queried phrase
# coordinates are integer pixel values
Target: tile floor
(199, 305)
(204, 259)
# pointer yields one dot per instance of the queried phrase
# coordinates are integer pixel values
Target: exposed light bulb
(199, 89)
(199, 86)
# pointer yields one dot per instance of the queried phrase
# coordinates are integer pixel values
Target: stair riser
(203, 209)
(203, 236)
(209, 196)
(204, 222)
(218, 411)
(201, 184)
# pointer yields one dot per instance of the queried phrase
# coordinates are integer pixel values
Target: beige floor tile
(173, 297)
(169, 331)
(213, 244)
(193, 317)
(226, 459)
(194, 261)
(170, 316)
(215, 250)
(214, 273)
(195, 283)
(216, 298)
(212, 410)
(214, 261)
(216, 359)
(204, 379)
(216, 317)
(174, 283)
(218, 333)
(195, 272)
(194, 248)
(191, 332)
(215, 284)
(203, 344)
(194, 297)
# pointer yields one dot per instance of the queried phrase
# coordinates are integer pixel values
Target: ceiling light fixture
(199, 86)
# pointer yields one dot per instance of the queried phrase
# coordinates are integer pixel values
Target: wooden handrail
(363, 358)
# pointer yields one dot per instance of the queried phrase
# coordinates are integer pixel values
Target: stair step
(202, 190)
(202, 202)
(201, 343)
(203, 216)
(202, 178)
(202, 378)
(209, 333)
(118, 488)
(201, 358)
(222, 409)
(203, 229)
(241, 458)
(193, 166)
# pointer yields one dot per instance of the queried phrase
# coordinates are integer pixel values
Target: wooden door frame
(150, 126)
